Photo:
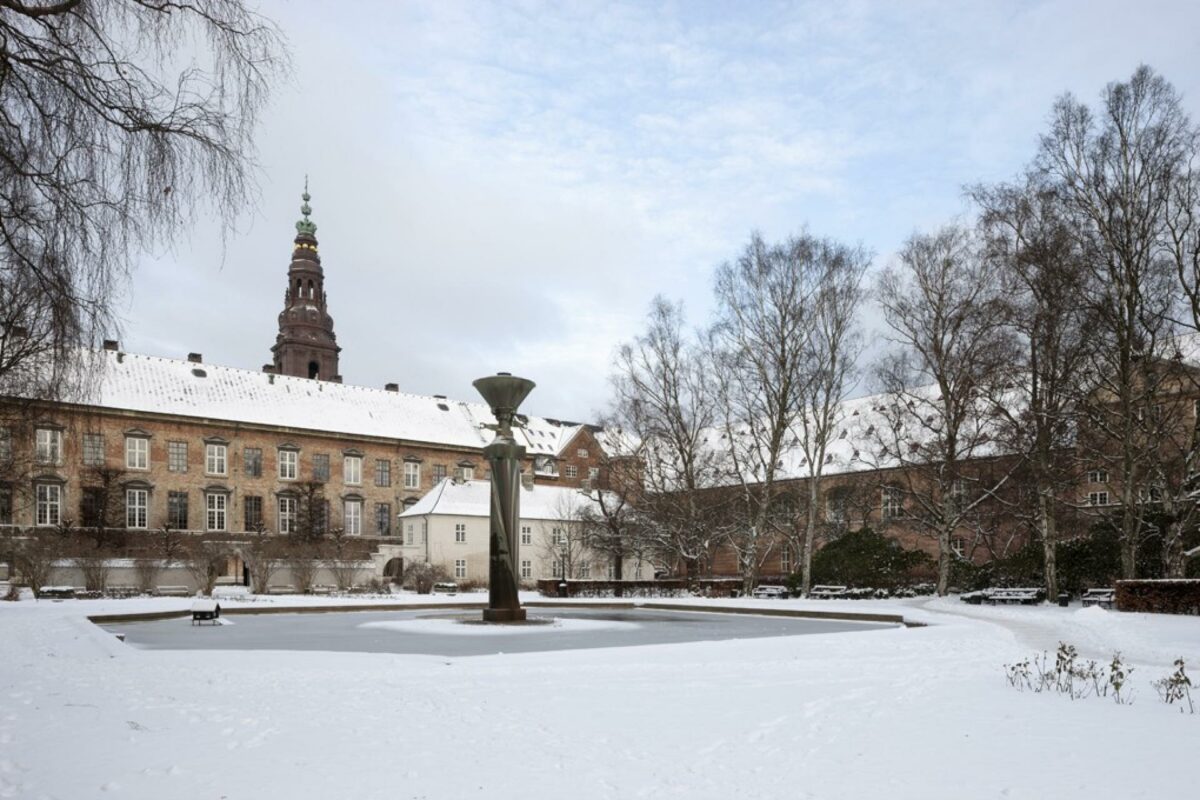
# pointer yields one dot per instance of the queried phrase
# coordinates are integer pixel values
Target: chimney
(195, 358)
(527, 481)
(111, 344)
(391, 387)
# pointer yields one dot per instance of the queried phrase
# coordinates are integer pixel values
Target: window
(287, 515)
(557, 536)
(5, 445)
(49, 446)
(1097, 476)
(958, 546)
(383, 519)
(785, 559)
(6, 504)
(408, 533)
(49, 504)
(177, 510)
(835, 506)
(1097, 498)
(352, 470)
(585, 570)
(526, 569)
(460, 568)
(468, 473)
(217, 503)
(412, 475)
(460, 533)
(383, 472)
(439, 472)
(581, 453)
(91, 507)
(1149, 494)
(136, 503)
(252, 461)
(137, 452)
(892, 503)
(571, 471)
(526, 535)
(288, 460)
(252, 515)
(93, 449)
(176, 456)
(556, 569)
(215, 459)
(352, 517)
(321, 467)
(593, 473)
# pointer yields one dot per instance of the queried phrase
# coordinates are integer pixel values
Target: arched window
(311, 291)
(314, 370)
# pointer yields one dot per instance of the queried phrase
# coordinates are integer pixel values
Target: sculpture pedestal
(504, 615)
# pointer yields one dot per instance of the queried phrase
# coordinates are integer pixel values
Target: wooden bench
(1023, 596)
(323, 588)
(206, 611)
(1105, 598)
(172, 591)
(57, 592)
(827, 592)
(281, 588)
(122, 591)
(765, 592)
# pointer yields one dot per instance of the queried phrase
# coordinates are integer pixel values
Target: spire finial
(306, 225)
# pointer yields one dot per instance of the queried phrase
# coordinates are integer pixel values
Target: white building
(449, 527)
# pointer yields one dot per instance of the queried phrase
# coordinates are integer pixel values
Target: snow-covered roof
(473, 499)
(153, 384)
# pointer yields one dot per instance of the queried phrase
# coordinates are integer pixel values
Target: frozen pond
(443, 633)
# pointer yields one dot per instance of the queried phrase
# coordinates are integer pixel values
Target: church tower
(306, 346)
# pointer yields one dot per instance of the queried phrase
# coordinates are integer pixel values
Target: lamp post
(504, 394)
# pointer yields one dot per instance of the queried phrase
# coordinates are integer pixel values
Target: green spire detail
(306, 225)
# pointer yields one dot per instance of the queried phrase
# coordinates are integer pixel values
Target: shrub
(1159, 597)
(420, 576)
(867, 559)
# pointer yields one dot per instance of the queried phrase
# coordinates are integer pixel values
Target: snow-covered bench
(1023, 596)
(323, 588)
(281, 588)
(172, 591)
(765, 592)
(827, 592)
(1105, 598)
(57, 592)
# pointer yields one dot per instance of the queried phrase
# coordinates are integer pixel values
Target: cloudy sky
(506, 186)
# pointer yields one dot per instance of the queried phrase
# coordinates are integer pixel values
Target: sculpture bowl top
(503, 392)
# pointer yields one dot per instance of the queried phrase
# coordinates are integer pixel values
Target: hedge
(663, 587)
(1181, 596)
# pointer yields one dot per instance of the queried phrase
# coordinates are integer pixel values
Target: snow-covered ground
(899, 713)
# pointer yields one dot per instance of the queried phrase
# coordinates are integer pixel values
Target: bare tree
(665, 412)
(943, 306)
(829, 375)
(1117, 169)
(263, 558)
(611, 526)
(108, 147)
(759, 346)
(1045, 282)
(206, 562)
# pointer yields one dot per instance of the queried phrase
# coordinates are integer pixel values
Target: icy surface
(895, 713)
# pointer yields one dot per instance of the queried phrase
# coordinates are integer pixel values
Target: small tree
(302, 564)
(420, 576)
(35, 555)
(263, 558)
(206, 561)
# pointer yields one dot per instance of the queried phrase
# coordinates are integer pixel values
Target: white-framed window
(408, 533)
(593, 473)
(424, 531)
(352, 517)
(137, 452)
(581, 453)
(610, 573)
(526, 569)
(585, 570)
(5, 445)
(137, 502)
(468, 473)
(352, 470)
(460, 533)
(412, 475)
(287, 514)
(216, 506)
(1097, 498)
(216, 459)
(571, 471)
(177, 457)
(556, 568)
(958, 546)
(49, 504)
(49, 446)
(288, 465)
(557, 536)
(892, 502)
(1149, 494)
(1097, 476)
(460, 568)
(526, 534)
(93, 449)
(785, 559)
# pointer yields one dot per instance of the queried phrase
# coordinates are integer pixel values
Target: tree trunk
(810, 534)
(1048, 527)
(945, 554)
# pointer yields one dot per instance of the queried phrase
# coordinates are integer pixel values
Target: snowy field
(894, 713)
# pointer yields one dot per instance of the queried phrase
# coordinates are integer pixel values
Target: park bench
(765, 592)
(323, 588)
(975, 598)
(1105, 598)
(172, 591)
(1026, 596)
(57, 592)
(281, 588)
(206, 611)
(122, 591)
(827, 592)
(445, 588)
